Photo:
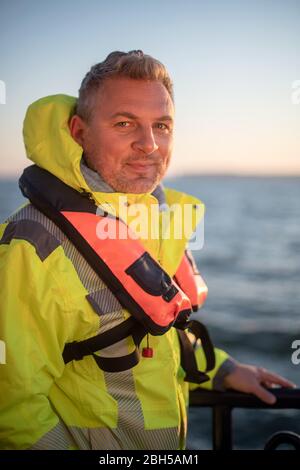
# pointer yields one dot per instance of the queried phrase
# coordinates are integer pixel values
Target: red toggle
(147, 352)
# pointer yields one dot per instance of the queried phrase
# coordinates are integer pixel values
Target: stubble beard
(137, 185)
(124, 183)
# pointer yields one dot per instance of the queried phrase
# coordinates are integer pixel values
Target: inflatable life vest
(190, 281)
(155, 300)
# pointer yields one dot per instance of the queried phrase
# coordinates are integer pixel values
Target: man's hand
(251, 379)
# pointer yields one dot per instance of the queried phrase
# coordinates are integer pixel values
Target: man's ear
(78, 129)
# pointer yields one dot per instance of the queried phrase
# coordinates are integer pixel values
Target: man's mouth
(138, 166)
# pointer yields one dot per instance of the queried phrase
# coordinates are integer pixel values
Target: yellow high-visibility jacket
(50, 297)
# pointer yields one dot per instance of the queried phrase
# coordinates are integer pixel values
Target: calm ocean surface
(251, 263)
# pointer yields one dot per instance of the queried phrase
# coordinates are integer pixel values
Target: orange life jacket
(155, 300)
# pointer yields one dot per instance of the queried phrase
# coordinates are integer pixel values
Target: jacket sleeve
(32, 305)
(224, 365)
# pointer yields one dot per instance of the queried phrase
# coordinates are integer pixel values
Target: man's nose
(145, 141)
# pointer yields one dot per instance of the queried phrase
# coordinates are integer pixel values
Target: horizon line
(175, 175)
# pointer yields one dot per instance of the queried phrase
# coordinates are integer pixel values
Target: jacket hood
(48, 141)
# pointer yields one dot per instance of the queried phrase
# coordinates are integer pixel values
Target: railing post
(222, 428)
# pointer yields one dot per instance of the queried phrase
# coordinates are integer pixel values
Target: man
(116, 140)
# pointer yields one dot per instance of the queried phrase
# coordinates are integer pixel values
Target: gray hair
(133, 64)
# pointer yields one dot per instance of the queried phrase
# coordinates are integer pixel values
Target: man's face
(128, 140)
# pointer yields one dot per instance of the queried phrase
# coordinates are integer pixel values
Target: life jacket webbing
(201, 332)
(188, 359)
(118, 364)
(77, 350)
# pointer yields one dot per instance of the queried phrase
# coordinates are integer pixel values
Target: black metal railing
(222, 404)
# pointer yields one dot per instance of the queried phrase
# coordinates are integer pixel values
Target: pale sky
(233, 63)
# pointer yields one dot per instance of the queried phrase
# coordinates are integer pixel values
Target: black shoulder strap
(78, 350)
(188, 358)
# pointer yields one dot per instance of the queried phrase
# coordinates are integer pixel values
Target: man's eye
(162, 126)
(123, 124)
